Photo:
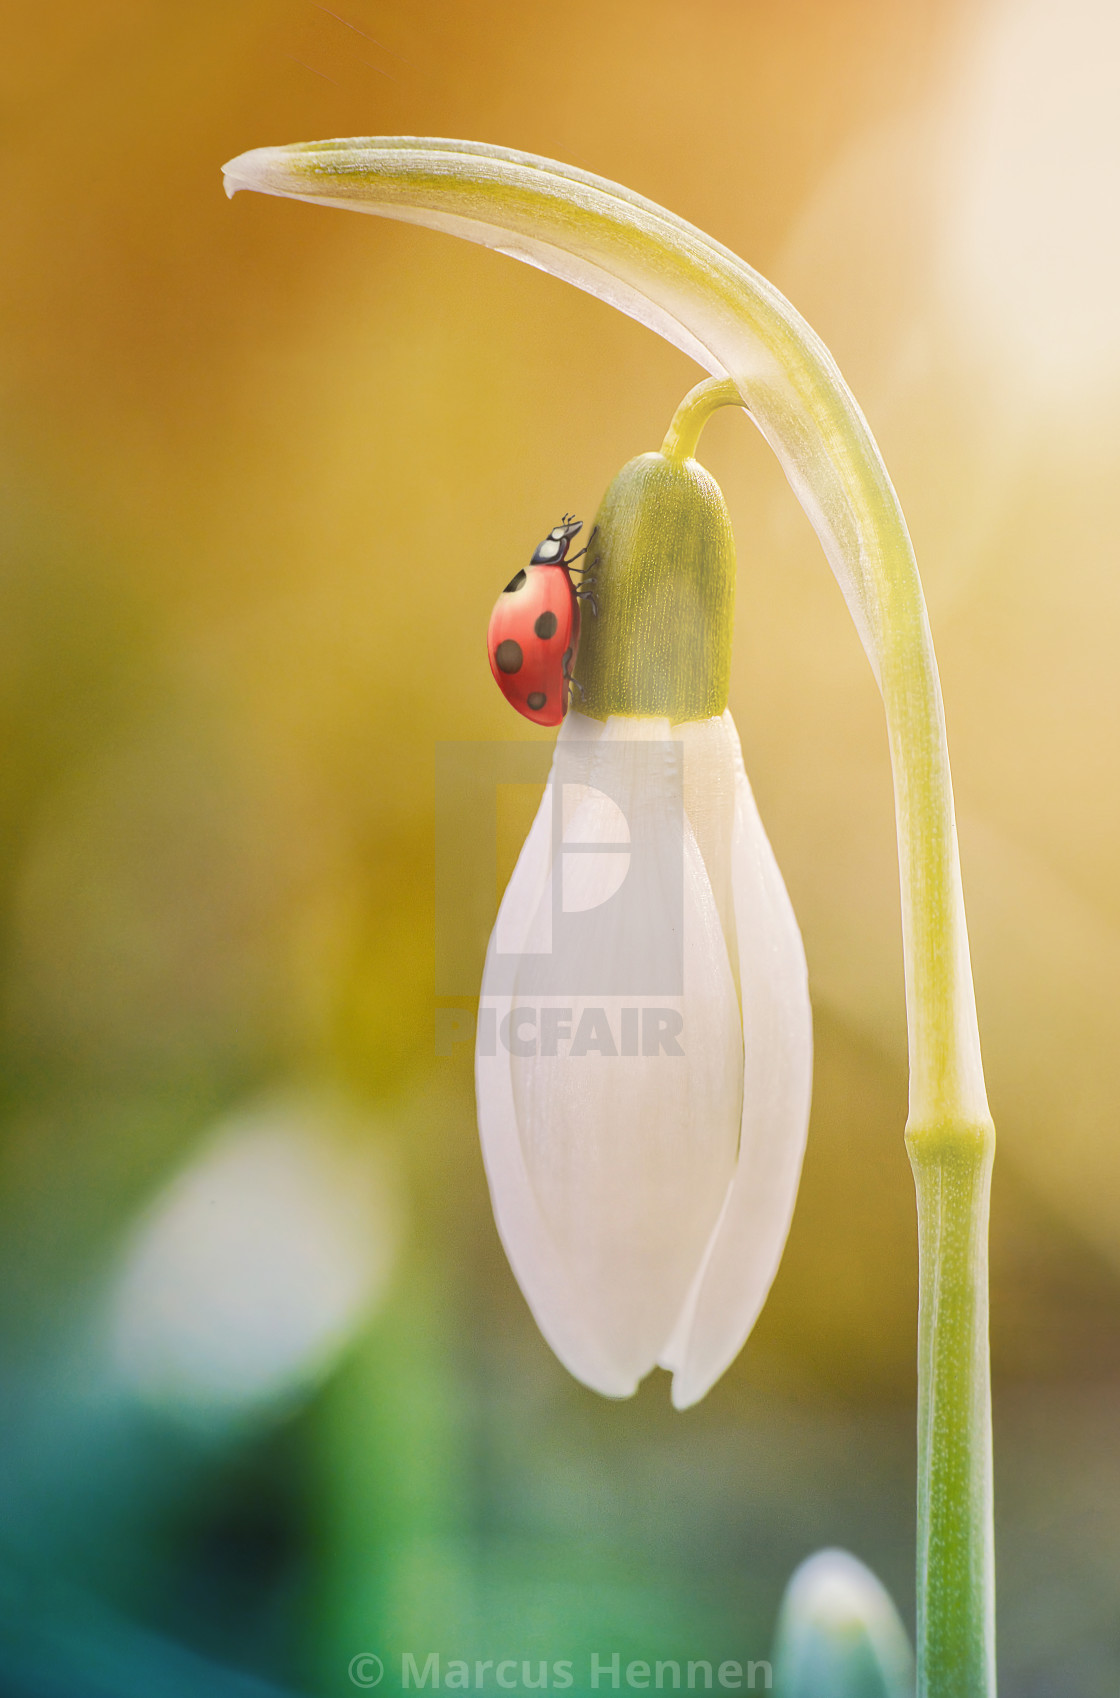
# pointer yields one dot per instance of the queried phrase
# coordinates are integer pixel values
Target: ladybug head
(555, 545)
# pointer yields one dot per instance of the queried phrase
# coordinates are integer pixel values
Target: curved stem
(692, 415)
(705, 300)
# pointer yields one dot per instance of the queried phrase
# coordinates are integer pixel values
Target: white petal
(627, 1158)
(711, 766)
(630, 1156)
(743, 1255)
(560, 1308)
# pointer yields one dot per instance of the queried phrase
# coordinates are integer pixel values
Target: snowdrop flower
(644, 1056)
(674, 278)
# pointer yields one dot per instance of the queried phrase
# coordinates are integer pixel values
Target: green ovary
(661, 567)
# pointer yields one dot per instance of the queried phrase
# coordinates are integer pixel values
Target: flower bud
(839, 1634)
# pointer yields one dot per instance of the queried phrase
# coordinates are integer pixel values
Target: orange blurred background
(265, 468)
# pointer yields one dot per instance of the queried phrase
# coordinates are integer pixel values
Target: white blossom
(644, 1198)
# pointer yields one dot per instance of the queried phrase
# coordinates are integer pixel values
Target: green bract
(664, 584)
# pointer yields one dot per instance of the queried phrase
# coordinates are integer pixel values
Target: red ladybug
(534, 628)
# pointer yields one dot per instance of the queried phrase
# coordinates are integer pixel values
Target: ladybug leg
(575, 684)
(589, 595)
(579, 555)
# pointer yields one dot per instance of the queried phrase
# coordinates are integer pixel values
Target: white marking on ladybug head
(549, 547)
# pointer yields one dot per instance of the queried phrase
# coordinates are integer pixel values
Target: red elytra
(534, 630)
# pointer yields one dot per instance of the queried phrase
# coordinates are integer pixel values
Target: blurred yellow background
(265, 468)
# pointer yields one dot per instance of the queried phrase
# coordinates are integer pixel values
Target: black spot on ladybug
(545, 625)
(514, 584)
(508, 656)
(537, 700)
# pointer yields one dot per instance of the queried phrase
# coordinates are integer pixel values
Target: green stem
(951, 1157)
(683, 434)
(951, 1144)
(956, 1581)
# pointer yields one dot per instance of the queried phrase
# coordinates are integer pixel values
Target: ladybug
(534, 628)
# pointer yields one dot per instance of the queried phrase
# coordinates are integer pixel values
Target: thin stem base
(956, 1615)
